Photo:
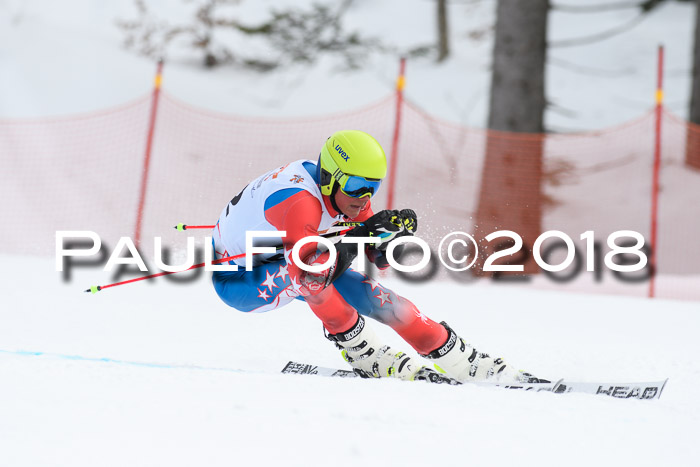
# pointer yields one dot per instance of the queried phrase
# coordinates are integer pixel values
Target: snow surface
(65, 57)
(60, 411)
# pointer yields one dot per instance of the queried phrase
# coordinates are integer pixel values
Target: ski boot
(362, 349)
(464, 363)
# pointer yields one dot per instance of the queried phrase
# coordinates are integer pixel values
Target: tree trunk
(443, 39)
(510, 194)
(692, 152)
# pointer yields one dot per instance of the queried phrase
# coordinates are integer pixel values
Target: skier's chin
(350, 206)
(352, 211)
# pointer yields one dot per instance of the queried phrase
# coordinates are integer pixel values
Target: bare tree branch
(294, 34)
(595, 8)
(584, 70)
(600, 36)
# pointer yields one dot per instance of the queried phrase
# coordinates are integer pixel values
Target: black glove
(410, 221)
(384, 224)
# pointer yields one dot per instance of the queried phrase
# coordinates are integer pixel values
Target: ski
(307, 369)
(636, 390)
(431, 376)
(627, 390)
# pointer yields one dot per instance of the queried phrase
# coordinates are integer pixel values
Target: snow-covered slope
(65, 57)
(62, 411)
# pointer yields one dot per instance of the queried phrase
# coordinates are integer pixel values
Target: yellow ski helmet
(354, 162)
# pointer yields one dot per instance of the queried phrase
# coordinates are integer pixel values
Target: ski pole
(180, 227)
(97, 288)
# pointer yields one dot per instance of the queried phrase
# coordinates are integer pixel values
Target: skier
(303, 199)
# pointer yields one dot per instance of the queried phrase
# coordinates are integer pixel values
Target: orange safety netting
(84, 173)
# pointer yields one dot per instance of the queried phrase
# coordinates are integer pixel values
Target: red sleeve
(300, 215)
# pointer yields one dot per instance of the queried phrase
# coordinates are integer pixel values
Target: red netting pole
(657, 169)
(147, 156)
(400, 82)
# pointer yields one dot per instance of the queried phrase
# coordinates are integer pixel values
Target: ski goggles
(357, 187)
